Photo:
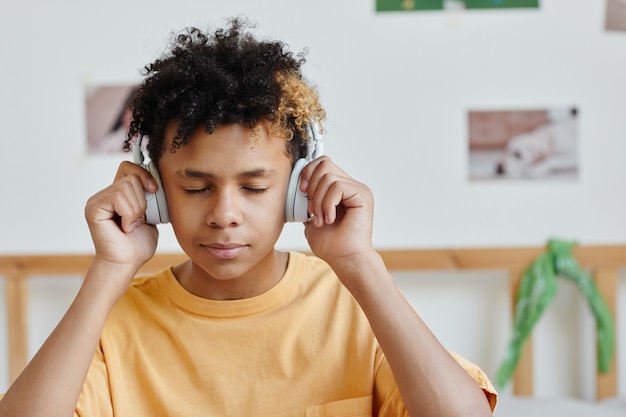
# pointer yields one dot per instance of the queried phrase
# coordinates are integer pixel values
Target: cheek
(184, 213)
(183, 219)
(268, 210)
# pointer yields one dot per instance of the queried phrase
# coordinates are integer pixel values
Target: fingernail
(134, 225)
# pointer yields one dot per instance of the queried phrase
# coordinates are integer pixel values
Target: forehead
(232, 144)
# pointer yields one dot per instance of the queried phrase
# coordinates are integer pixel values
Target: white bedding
(559, 407)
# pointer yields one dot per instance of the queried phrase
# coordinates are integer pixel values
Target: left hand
(343, 210)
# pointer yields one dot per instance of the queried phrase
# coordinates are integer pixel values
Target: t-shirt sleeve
(95, 398)
(480, 377)
(389, 402)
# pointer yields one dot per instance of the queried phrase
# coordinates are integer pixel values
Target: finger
(316, 179)
(317, 167)
(320, 175)
(324, 196)
(331, 200)
(124, 202)
(131, 203)
(128, 168)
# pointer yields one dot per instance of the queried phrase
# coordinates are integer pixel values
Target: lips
(224, 251)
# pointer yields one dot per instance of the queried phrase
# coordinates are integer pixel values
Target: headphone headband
(138, 157)
(315, 146)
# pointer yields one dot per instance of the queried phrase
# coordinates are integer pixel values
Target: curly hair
(224, 78)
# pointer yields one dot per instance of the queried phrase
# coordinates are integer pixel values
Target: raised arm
(431, 381)
(51, 383)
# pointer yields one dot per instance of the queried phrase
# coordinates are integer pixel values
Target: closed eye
(193, 191)
(251, 190)
(254, 190)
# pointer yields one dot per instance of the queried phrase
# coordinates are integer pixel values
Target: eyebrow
(253, 173)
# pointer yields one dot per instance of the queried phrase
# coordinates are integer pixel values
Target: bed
(603, 262)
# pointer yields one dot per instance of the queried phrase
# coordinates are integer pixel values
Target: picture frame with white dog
(536, 144)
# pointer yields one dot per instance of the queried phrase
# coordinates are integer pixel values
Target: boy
(240, 329)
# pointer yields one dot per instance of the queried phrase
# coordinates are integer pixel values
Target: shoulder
(143, 291)
(318, 287)
(148, 285)
(307, 264)
(311, 271)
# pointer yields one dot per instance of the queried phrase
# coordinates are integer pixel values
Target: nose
(224, 209)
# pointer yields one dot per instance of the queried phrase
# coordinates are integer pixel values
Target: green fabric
(538, 288)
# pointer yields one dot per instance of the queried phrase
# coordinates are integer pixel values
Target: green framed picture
(407, 5)
(403, 5)
(500, 4)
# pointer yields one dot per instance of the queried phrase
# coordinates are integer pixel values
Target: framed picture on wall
(400, 5)
(108, 117)
(615, 19)
(500, 4)
(533, 145)
(404, 5)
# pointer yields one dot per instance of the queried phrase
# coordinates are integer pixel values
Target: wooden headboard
(604, 262)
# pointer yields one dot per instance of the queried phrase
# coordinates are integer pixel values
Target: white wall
(396, 87)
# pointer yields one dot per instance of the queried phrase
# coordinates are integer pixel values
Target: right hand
(115, 218)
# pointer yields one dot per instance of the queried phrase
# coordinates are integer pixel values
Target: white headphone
(156, 210)
(296, 203)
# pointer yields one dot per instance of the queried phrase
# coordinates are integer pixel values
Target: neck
(257, 280)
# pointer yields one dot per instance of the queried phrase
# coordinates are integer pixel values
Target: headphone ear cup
(296, 204)
(156, 210)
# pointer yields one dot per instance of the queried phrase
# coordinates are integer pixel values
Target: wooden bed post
(17, 311)
(523, 376)
(606, 280)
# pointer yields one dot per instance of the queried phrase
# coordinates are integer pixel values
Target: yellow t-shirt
(303, 348)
